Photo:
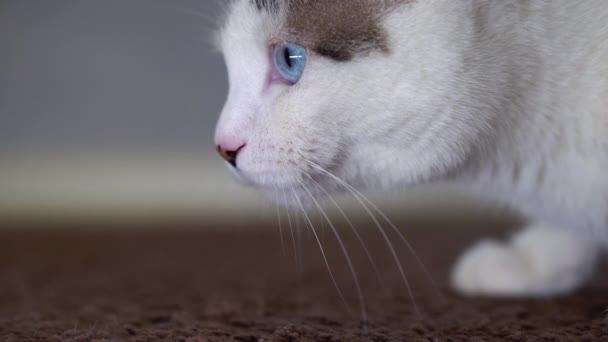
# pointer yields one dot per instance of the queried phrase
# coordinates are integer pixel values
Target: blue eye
(290, 61)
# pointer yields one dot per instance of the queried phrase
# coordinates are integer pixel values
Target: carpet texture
(190, 283)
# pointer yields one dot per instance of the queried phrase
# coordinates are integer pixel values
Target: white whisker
(387, 240)
(280, 229)
(331, 274)
(355, 232)
(344, 252)
(293, 237)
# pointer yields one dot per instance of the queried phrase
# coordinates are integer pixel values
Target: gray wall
(102, 73)
(109, 106)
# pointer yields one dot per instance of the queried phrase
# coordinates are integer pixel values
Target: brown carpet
(185, 283)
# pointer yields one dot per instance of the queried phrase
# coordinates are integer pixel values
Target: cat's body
(506, 98)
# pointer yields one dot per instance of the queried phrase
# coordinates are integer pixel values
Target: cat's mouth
(298, 179)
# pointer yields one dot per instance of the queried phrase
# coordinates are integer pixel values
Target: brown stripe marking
(338, 29)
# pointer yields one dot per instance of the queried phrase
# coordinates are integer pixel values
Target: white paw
(539, 261)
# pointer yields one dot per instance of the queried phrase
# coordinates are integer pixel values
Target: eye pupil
(287, 57)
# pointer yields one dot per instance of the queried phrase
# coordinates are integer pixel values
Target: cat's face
(353, 90)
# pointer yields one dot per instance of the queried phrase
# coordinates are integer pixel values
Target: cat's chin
(295, 195)
(297, 190)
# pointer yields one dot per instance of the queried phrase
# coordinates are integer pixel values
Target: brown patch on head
(337, 29)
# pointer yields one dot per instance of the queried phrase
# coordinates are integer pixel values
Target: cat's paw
(539, 261)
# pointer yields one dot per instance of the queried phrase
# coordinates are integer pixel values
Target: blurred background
(107, 109)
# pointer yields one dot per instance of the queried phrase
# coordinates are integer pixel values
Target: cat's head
(368, 92)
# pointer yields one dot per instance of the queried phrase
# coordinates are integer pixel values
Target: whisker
(331, 274)
(293, 237)
(298, 220)
(380, 229)
(344, 252)
(411, 249)
(213, 20)
(210, 20)
(200, 21)
(280, 228)
(297, 254)
(355, 232)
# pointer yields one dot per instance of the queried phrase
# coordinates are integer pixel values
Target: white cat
(506, 98)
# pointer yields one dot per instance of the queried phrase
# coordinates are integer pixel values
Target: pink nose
(229, 155)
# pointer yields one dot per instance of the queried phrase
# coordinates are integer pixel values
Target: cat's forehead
(338, 29)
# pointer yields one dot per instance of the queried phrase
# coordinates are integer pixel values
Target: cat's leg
(538, 261)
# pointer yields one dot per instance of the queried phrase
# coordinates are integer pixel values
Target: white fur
(506, 98)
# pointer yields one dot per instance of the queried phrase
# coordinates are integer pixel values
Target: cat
(507, 99)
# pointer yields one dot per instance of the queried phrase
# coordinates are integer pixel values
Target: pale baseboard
(162, 184)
